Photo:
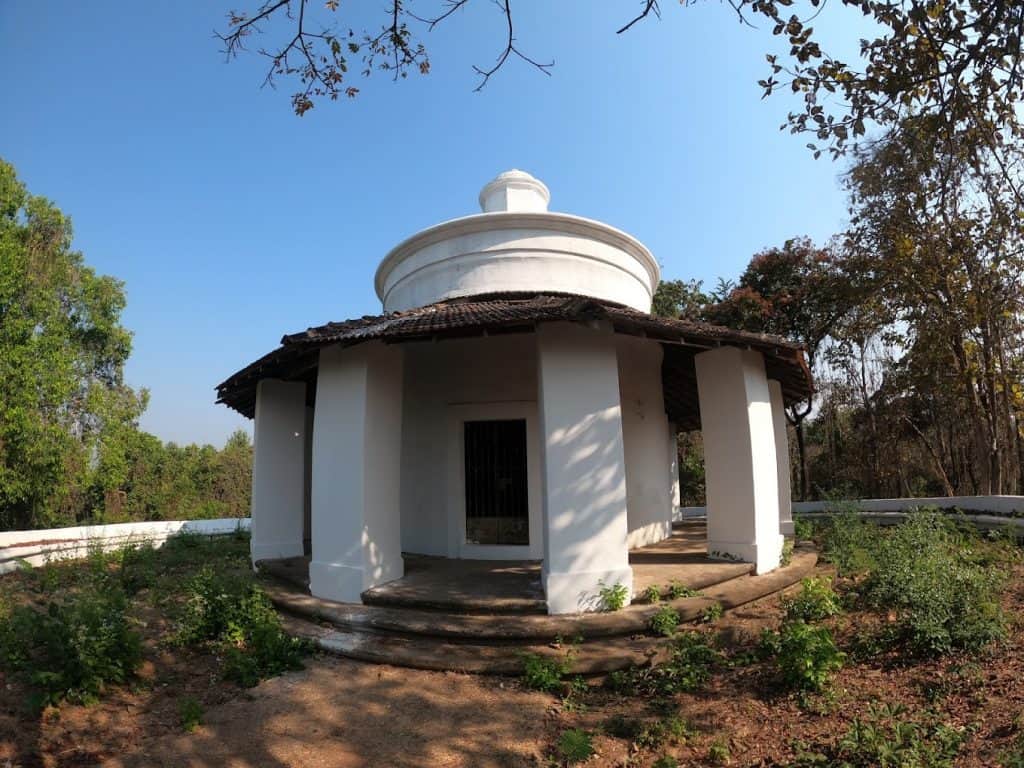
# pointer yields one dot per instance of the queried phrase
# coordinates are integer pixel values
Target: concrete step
(590, 658)
(511, 629)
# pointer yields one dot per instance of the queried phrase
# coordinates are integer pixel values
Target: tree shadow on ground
(342, 713)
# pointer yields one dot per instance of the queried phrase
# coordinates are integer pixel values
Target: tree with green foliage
(64, 406)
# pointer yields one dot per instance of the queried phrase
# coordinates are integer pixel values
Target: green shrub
(665, 761)
(665, 621)
(787, 553)
(613, 597)
(74, 647)
(652, 594)
(884, 739)
(190, 713)
(236, 615)
(926, 571)
(849, 542)
(803, 529)
(677, 590)
(575, 745)
(806, 656)
(719, 753)
(545, 673)
(138, 567)
(816, 600)
(712, 613)
(689, 666)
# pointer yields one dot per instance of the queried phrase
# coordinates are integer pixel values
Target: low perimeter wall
(985, 511)
(38, 547)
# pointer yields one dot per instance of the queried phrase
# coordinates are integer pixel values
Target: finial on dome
(514, 190)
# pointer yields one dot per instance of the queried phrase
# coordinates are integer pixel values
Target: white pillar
(644, 434)
(583, 466)
(782, 458)
(278, 469)
(357, 438)
(741, 472)
(673, 468)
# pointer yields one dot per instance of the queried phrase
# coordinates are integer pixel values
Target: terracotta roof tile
(475, 315)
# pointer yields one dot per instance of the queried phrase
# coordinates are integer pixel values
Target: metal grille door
(496, 488)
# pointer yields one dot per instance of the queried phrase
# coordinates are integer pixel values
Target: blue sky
(232, 222)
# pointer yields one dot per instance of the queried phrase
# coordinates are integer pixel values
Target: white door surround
(457, 415)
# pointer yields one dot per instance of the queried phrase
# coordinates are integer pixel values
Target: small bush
(613, 597)
(927, 572)
(803, 529)
(850, 542)
(816, 600)
(787, 553)
(190, 713)
(545, 673)
(652, 594)
(665, 761)
(677, 590)
(665, 621)
(575, 745)
(806, 656)
(235, 614)
(72, 649)
(719, 753)
(885, 739)
(689, 666)
(712, 613)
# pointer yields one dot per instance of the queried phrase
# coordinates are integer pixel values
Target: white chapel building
(514, 400)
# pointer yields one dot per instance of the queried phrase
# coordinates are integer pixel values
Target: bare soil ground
(345, 713)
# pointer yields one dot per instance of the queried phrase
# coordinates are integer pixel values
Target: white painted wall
(785, 481)
(39, 547)
(741, 471)
(584, 478)
(357, 439)
(517, 245)
(644, 433)
(278, 469)
(445, 383)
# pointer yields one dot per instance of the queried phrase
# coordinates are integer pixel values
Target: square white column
(278, 469)
(584, 478)
(357, 438)
(673, 468)
(740, 467)
(782, 456)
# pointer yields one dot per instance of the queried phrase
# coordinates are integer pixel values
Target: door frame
(458, 415)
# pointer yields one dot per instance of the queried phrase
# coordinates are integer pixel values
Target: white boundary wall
(40, 546)
(1002, 506)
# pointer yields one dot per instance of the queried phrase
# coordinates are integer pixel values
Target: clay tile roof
(296, 358)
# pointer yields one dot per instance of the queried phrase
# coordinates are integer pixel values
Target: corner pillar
(357, 438)
(584, 479)
(741, 471)
(779, 423)
(278, 469)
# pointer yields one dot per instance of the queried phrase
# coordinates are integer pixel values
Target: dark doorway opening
(497, 509)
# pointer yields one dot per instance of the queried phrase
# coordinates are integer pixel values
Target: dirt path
(345, 714)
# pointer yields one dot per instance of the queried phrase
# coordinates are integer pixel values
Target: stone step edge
(505, 606)
(469, 628)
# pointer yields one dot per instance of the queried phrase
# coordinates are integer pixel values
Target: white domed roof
(517, 245)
